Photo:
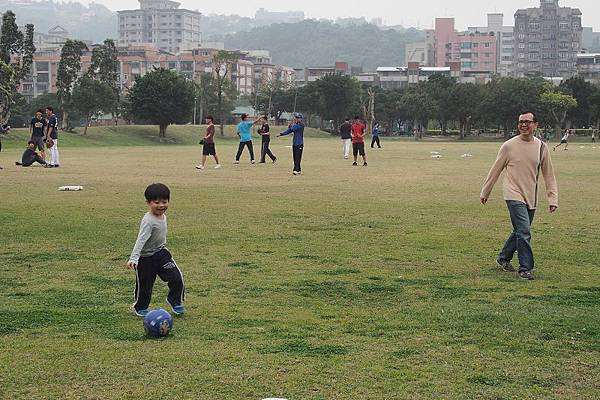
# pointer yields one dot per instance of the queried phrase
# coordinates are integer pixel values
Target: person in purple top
(297, 128)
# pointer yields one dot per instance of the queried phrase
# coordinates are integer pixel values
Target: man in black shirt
(30, 156)
(36, 130)
(346, 134)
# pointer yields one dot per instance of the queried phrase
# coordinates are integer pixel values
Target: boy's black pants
(265, 151)
(297, 152)
(163, 265)
(241, 148)
(375, 140)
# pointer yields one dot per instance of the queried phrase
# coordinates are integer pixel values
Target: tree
(7, 93)
(581, 90)
(207, 95)
(558, 105)
(340, 96)
(223, 64)
(162, 97)
(68, 71)
(440, 89)
(419, 107)
(388, 108)
(466, 98)
(16, 51)
(91, 97)
(275, 97)
(105, 67)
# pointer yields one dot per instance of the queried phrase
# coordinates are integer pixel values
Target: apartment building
(547, 40)
(588, 66)
(161, 23)
(475, 51)
(505, 42)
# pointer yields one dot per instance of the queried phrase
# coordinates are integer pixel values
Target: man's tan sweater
(521, 159)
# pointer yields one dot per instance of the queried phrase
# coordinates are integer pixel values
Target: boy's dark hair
(347, 120)
(50, 108)
(357, 117)
(211, 118)
(40, 111)
(532, 113)
(30, 142)
(244, 116)
(157, 191)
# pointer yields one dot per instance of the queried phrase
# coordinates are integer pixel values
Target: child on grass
(150, 257)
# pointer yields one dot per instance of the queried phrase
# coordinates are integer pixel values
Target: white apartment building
(161, 23)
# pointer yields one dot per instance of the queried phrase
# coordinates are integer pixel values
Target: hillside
(321, 43)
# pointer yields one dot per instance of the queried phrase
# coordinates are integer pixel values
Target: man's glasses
(526, 122)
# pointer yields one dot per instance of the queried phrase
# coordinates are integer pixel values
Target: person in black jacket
(265, 132)
(346, 134)
(30, 156)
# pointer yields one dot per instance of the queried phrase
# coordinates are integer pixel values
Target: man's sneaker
(199, 166)
(140, 313)
(274, 160)
(252, 162)
(218, 166)
(506, 266)
(296, 173)
(236, 162)
(262, 162)
(365, 164)
(526, 275)
(354, 164)
(56, 165)
(178, 310)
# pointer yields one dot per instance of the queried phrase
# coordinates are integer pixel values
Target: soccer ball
(158, 323)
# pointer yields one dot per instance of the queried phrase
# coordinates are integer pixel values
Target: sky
(393, 12)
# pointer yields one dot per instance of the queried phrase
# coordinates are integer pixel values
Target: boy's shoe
(526, 275)
(506, 266)
(354, 164)
(262, 162)
(199, 166)
(218, 166)
(56, 165)
(178, 310)
(365, 164)
(140, 313)
(345, 157)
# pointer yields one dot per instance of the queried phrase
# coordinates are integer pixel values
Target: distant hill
(94, 22)
(321, 43)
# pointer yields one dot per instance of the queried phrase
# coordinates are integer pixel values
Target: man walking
(208, 144)
(346, 135)
(358, 141)
(523, 157)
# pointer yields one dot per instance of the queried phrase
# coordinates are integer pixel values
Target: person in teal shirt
(244, 131)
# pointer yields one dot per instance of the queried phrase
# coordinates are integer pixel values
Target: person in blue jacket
(297, 128)
(375, 133)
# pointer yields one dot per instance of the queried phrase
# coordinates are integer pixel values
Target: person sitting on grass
(30, 156)
(150, 257)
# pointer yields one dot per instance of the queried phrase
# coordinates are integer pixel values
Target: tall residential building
(547, 40)
(475, 51)
(505, 42)
(161, 23)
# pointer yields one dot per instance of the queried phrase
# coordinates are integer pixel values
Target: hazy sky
(466, 12)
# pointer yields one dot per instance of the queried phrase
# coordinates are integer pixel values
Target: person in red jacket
(358, 141)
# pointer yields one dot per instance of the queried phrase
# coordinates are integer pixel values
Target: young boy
(36, 131)
(358, 141)
(150, 257)
(30, 156)
(208, 144)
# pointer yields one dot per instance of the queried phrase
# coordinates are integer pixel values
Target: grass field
(345, 283)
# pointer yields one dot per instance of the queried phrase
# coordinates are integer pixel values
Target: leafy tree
(558, 105)
(162, 97)
(16, 51)
(441, 90)
(7, 92)
(340, 96)
(466, 99)
(223, 65)
(69, 68)
(581, 90)
(275, 97)
(207, 95)
(105, 67)
(595, 106)
(419, 107)
(91, 96)
(388, 108)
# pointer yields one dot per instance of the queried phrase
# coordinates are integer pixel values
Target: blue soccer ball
(158, 323)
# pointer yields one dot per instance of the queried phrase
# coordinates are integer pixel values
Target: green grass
(345, 283)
